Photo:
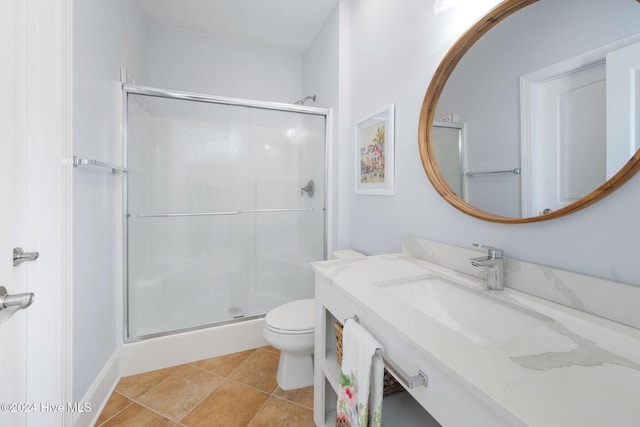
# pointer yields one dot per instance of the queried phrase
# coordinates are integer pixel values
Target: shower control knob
(309, 188)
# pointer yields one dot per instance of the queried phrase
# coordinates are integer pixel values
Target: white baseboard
(172, 350)
(99, 393)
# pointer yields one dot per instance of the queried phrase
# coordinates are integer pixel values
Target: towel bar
(409, 381)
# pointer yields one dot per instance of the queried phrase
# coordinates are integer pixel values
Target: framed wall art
(374, 154)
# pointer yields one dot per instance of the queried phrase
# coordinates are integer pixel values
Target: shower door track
(200, 97)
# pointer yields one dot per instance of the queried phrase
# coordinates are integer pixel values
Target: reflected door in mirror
(563, 137)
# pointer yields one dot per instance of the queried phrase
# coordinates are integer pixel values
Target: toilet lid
(293, 316)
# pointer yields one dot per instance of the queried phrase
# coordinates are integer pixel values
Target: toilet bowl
(290, 329)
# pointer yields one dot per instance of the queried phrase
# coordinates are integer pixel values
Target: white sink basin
(478, 317)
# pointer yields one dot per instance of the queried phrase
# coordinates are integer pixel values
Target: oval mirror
(534, 113)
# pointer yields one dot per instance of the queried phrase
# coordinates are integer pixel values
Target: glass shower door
(218, 225)
(286, 155)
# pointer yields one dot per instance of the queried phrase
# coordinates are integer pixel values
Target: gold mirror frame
(427, 117)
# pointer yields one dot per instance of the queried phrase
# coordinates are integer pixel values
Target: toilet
(290, 329)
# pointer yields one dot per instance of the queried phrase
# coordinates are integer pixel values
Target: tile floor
(238, 389)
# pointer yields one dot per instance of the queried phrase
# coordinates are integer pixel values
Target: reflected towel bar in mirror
(515, 171)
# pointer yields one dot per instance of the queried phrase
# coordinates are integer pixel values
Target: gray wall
(193, 62)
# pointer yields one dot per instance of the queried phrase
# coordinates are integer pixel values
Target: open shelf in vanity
(398, 409)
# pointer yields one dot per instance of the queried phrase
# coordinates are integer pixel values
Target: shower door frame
(132, 89)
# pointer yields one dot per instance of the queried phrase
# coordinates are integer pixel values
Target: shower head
(302, 101)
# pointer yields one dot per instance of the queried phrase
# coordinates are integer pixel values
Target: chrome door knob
(9, 304)
(16, 300)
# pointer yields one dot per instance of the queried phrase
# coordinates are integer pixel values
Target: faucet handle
(492, 252)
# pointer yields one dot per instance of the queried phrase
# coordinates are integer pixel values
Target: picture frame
(374, 154)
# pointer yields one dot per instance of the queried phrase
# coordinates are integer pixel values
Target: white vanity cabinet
(444, 399)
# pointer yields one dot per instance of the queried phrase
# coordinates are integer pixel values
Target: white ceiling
(287, 25)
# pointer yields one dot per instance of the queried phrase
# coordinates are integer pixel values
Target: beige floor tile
(229, 405)
(136, 415)
(301, 396)
(223, 365)
(136, 385)
(142, 400)
(180, 392)
(280, 413)
(259, 371)
(115, 404)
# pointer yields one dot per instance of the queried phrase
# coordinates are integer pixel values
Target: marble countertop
(576, 370)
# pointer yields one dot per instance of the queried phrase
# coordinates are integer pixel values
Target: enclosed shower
(225, 208)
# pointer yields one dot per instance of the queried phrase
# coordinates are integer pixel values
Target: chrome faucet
(494, 264)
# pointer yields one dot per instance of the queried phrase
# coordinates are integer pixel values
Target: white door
(623, 106)
(13, 332)
(34, 205)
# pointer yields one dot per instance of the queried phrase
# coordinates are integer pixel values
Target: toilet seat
(292, 318)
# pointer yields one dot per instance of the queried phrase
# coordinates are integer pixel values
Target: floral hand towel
(361, 378)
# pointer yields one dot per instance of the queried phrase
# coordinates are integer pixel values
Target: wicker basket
(390, 383)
